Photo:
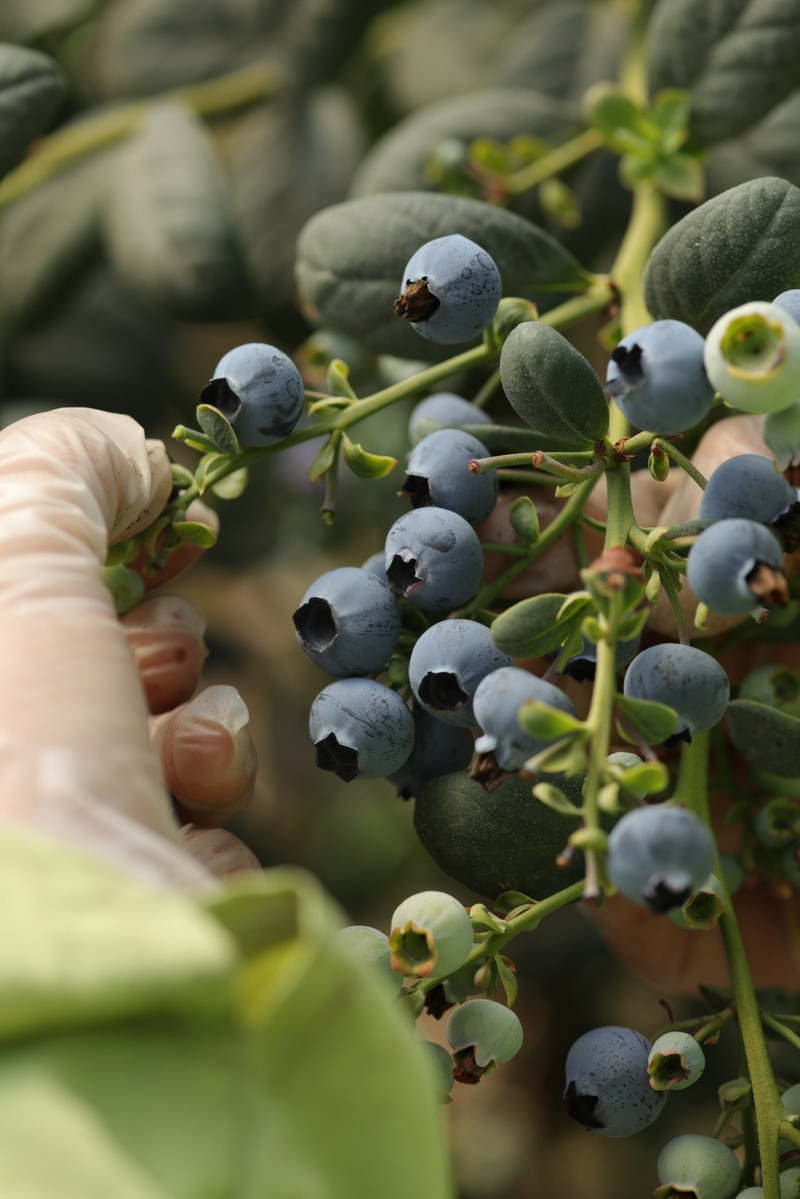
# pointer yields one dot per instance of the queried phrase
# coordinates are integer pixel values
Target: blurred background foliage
(151, 226)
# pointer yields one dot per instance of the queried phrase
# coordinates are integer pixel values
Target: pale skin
(82, 757)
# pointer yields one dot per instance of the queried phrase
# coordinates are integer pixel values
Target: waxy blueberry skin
(347, 622)
(433, 558)
(720, 565)
(607, 1085)
(260, 390)
(684, 678)
(659, 855)
(450, 290)
(657, 378)
(498, 698)
(438, 474)
(361, 729)
(446, 665)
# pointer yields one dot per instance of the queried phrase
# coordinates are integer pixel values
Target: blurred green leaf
(652, 721)
(233, 485)
(737, 58)
(324, 460)
(195, 533)
(168, 226)
(767, 737)
(542, 721)
(32, 89)
(739, 246)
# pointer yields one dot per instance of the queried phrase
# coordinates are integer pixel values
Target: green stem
(226, 94)
(620, 518)
(554, 161)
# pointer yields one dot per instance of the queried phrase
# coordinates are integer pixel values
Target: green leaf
(182, 477)
(737, 58)
(337, 381)
(654, 722)
(531, 627)
(567, 757)
(508, 978)
(218, 428)
(168, 227)
(681, 177)
(768, 738)
(555, 798)
(648, 778)
(524, 519)
(610, 110)
(324, 459)
(543, 722)
(741, 245)
(364, 464)
(32, 88)
(552, 386)
(126, 586)
(196, 533)
(351, 257)
(204, 467)
(233, 485)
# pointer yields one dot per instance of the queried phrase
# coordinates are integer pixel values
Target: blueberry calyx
(219, 394)
(401, 574)
(416, 303)
(665, 892)
(417, 489)
(440, 689)
(581, 1107)
(465, 1068)
(341, 759)
(631, 374)
(315, 624)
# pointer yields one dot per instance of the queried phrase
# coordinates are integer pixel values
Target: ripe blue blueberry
(431, 934)
(260, 390)
(483, 1034)
(438, 474)
(657, 378)
(361, 729)
(659, 855)
(735, 566)
(498, 698)
(447, 664)
(607, 1085)
(789, 301)
(583, 666)
(450, 291)
(348, 622)
(434, 559)
(698, 1165)
(749, 486)
(752, 357)
(439, 749)
(443, 410)
(684, 678)
(675, 1061)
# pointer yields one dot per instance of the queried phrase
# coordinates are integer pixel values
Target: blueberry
(699, 1165)
(752, 357)
(361, 729)
(431, 934)
(675, 1061)
(260, 390)
(370, 945)
(684, 678)
(483, 1034)
(749, 486)
(659, 855)
(446, 665)
(607, 1085)
(443, 409)
(583, 666)
(348, 622)
(450, 291)
(433, 558)
(657, 378)
(498, 698)
(437, 474)
(439, 749)
(735, 566)
(789, 301)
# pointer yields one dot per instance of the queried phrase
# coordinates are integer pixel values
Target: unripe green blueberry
(790, 1183)
(487, 1031)
(431, 935)
(751, 1193)
(702, 909)
(752, 357)
(777, 823)
(370, 945)
(675, 1062)
(442, 1064)
(699, 1165)
(781, 432)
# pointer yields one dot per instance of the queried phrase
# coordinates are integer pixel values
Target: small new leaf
(195, 533)
(652, 721)
(555, 798)
(204, 468)
(650, 778)
(232, 486)
(218, 429)
(338, 381)
(364, 464)
(182, 477)
(545, 723)
(508, 978)
(524, 519)
(324, 460)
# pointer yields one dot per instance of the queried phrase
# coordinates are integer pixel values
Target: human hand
(97, 713)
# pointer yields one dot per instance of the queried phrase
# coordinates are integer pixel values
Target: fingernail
(210, 742)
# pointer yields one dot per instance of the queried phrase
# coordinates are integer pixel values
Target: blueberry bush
(517, 287)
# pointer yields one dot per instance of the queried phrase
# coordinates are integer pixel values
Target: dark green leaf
(531, 628)
(741, 245)
(768, 738)
(218, 428)
(552, 386)
(351, 257)
(654, 722)
(168, 227)
(24, 22)
(738, 58)
(32, 88)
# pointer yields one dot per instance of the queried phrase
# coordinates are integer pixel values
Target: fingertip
(219, 851)
(165, 634)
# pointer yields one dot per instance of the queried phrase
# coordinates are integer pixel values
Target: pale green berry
(675, 1062)
(370, 945)
(442, 1064)
(491, 1030)
(781, 433)
(790, 1183)
(752, 357)
(431, 934)
(699, 1165)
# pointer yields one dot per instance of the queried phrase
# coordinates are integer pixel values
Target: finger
(184, 555)
(71, 480)
(207, 756)
(218, 851)
(165, 635)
